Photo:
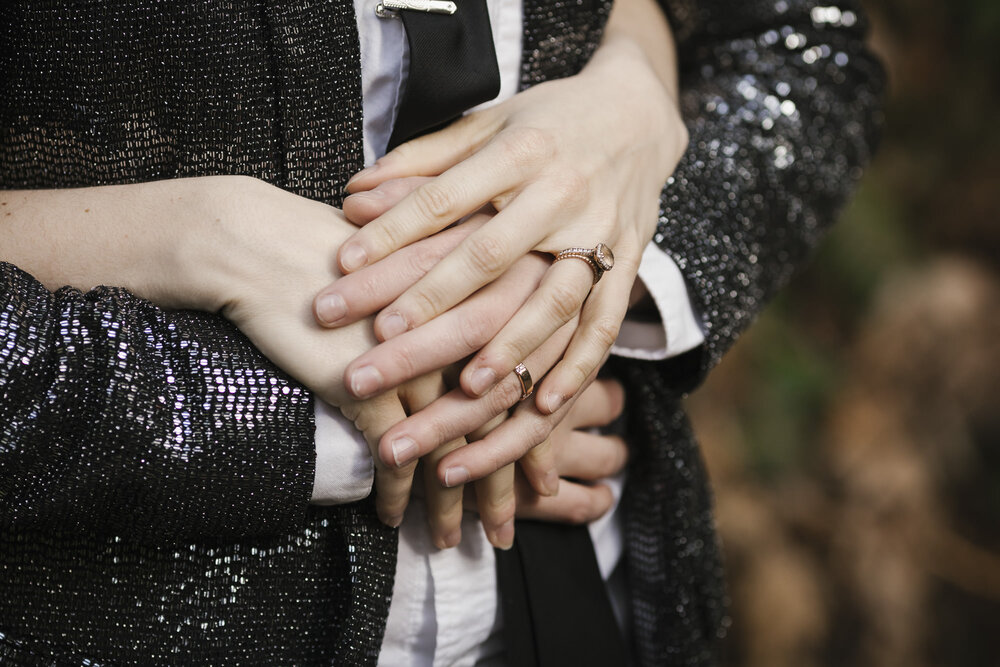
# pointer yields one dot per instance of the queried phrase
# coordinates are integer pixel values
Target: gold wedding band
(527, 386)
(600, 259)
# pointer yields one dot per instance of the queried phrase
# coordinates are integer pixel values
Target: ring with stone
(600, 258)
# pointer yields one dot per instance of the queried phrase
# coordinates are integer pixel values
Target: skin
(557, 178)
(259, 255)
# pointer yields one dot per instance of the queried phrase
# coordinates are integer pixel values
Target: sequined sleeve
(121, 418)
(782, 103)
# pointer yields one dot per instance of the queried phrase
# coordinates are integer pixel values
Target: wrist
(212, 259)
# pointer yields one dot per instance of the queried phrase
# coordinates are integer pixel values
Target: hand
(559, 178)
(582, 458)
(456, 334)
(278, 251)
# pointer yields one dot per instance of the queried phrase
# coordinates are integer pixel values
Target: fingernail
(552, 483)
(366, 381)
(353, 257)
(504, 537)
(392, 325)
(331, 308)
(455, 476)
(367, 171)
(481, 380)
(403, 450)
(450, 540)
(393, 521)
(553, 401)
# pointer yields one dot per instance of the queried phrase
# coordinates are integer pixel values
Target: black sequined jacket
(155, 469)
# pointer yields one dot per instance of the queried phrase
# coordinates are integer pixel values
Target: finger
(600, 404)
(444, 340)
(489, 496)
(589, 456)
(455, 414)
(502, 165)
(575, 504)
(366, 205)
(430, 154)
(600, 321)
(540, 467)
(479, 259)
(444, 505)
(510, 441)
(557, 301)
(364, 292)
(392, 483)
(496, 503)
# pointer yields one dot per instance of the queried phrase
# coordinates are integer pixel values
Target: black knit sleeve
(782, 101)
(121, 418)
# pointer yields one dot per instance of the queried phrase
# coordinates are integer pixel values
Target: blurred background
(853, 435)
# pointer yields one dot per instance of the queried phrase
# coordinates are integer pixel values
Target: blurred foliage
(853, 433)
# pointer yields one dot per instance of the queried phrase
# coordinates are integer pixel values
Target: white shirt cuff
(679, 329)
(345, 471)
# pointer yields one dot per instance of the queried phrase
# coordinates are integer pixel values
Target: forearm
(780, 129)
(161, 402)
(642, 26)
(113, 407)
(640, 29)
(150, 238)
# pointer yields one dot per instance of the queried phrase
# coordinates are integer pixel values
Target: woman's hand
(239, 246)
(568, 163)
(460, 332)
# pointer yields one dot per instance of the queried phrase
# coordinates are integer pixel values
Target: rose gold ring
(527, 386)
(600, 259)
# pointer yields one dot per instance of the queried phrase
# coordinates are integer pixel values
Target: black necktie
(453, 65)
(556, 611)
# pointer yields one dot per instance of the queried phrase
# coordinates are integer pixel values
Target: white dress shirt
(444, 608)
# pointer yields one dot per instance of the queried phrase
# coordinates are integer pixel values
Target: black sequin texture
(155, 469)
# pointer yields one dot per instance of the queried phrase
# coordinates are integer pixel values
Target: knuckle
(473, 334)
(493, 457)
(371, 289)
(505, 394)
(429, 301)
(579, 512)
(569, 187)
(605, 332)
(537, 430)
(440, 431)
(502, 200)
(384, 235)
(487, 255)
(420, 258)
(434, 201)
(500, 506)
(564, 301)
(507, 354)
(401, 359)
(527, 145)
(404, 153)
(404, 477)
(609, 460)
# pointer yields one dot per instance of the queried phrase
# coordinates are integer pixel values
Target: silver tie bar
(387, 8)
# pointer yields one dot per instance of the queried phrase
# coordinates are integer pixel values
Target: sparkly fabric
(154, 468)
(782, 105)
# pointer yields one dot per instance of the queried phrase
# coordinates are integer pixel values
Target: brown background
(853, 435)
